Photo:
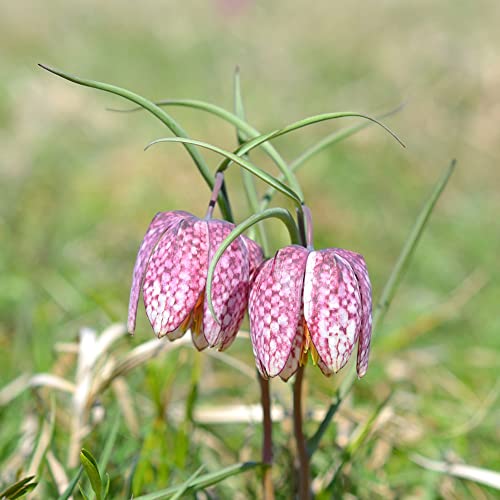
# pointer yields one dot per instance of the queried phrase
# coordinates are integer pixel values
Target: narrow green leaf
(183, 488)
(23, 491)
(204, 481)
(409, 248)
(239, 122)
(357, 439)
(248, 179)
(71, 486)
(277, 213)
(389, 291)
(92, 470)
(327, 141)
(257, 141)
(110, 442)
(155, 110)
(314, 440)
(261, 174)
(105, 494)
(14, 490)
(84, 495)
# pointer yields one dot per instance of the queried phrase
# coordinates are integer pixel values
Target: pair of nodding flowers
(300, 301)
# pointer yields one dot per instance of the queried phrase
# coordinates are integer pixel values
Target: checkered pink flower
(317, 301)
(171, 268)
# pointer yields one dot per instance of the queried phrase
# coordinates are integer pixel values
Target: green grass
(78, 192)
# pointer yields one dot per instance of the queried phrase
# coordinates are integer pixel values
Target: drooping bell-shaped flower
(305, 301)
(171, 267)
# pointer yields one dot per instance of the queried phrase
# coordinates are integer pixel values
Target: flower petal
(229, 287)
(176, 275)
(332, 308)
(161, 222)
(275, 306)
(293, 361)
(358, 265)
(255, 253)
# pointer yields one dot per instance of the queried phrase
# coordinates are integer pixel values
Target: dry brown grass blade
(57, 471)
(462, 471)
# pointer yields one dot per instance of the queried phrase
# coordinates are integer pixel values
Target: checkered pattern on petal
(255, 253)
(332, 308)
(161, 222)
(274, 307)
(358, 265)
(229, 286)
(176, 275)
(293, 361)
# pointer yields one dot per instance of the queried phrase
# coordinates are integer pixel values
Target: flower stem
(267, 444)
(218, 184)
(309, 227)
(303, 465)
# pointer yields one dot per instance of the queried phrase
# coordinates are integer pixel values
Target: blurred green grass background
(78, 190)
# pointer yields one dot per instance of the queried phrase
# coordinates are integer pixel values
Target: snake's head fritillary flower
(305, 301)
(171, 268)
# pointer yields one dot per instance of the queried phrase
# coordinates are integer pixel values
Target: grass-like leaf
(258, 172)
(19, 488)
(324, 143)
(92, 470)
(188, 483)
(358, 438)
(203, 481)
(110, 442)
(248, 179)
(244, 129)
(257, 141)
(386, 297)
(71, 486)
(159, 113)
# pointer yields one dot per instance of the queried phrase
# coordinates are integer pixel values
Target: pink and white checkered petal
(176, 275)
(161, 222)
(360, 269)
(255, 333)
(275, 305)
(255, 253)
(332, 307)
(293, 361)
(229, 286)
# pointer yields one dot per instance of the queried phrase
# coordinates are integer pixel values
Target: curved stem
(278, 213)
(303, 465)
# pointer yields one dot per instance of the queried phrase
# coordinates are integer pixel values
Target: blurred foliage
(78, 192)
